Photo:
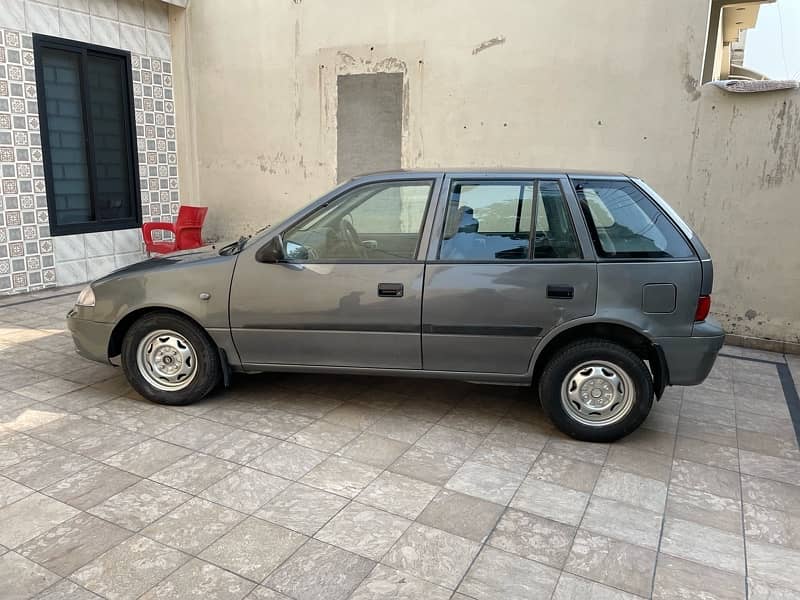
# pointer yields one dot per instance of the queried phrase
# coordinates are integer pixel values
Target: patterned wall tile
(29, 257)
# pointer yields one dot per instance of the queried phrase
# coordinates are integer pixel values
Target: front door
(349, 290)
(504, 267)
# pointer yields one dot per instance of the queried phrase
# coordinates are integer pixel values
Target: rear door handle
(564, 292)
(390, 290)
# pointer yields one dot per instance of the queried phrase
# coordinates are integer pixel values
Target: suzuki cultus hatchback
(587, 287)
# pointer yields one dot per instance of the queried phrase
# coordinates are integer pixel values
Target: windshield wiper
(234, 247)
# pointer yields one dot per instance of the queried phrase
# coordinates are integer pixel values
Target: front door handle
(390, 290)
(564, 292)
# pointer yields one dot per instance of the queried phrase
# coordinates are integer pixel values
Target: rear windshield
(625, 223)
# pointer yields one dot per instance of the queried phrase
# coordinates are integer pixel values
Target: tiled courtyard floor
(330, 488)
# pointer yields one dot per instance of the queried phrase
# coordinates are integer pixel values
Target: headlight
(86, 297)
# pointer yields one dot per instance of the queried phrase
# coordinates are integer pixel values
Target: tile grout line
(666, 499)
(741, 502)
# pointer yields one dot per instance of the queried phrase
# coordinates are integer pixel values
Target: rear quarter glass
(626, 223)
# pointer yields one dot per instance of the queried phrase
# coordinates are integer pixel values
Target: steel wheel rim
(166, 360)
(597, 393)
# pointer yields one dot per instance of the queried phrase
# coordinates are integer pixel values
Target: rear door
(505, 265)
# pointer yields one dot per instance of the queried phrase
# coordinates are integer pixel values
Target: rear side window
(491, 221)
(625, 223)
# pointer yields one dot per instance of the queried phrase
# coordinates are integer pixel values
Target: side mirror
(272, 251)
(295, 251)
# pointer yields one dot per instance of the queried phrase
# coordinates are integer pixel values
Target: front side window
(625, 223)
(87, 136)
(491, 221)
(374, 222)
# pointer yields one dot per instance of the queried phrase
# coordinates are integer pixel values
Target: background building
(277, 100)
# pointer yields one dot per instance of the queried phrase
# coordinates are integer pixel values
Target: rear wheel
(170, 360)
(596, 390)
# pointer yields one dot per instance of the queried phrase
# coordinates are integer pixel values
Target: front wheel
(596, 390)
(170, 360)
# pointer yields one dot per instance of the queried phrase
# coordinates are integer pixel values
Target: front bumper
(690, 359)
(90, 337)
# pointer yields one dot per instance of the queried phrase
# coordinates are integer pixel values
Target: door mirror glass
(272, 251)
(295, 251)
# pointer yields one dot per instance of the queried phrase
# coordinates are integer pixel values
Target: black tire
(572, 356)
(208, 371)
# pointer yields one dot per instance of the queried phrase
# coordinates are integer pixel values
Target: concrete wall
(610, 85)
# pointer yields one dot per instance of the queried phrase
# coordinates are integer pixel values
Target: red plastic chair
(186, 230)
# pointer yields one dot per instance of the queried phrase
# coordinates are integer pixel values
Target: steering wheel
(350, 234)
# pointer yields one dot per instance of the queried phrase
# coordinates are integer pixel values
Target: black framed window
(88, 136)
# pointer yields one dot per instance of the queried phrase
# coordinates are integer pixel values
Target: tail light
(703, 307)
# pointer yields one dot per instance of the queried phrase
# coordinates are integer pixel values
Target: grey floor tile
(18, 447)
(73, 543)
(29, 517)
(253, 549)
(470, 419)
(497, 452)
(139, 505)
(714, 455)
(302, 508)
(678, 579)
(550, 500)
(374, 450)
(90, 486)
(645, 464)
(771, 494)
(780, 444)
(498, 574)
(445, 440)
(769, 467)
(193, 526)
(262, 593)
(462, 515)
(66, 429)
(719, 482)
(194, 473)
(388, 583)
(723, 435)
(571, 587)
(288, 460)
(363, 530)
(22, 578)
(432, 467)
(400, 427)
(311, 405)
(146, 458)
(706, 545)
(355, 416)
(245, 489)
(632, 489)
(129, 569)
(341, 476)
(771, 526)
(433, 555)
(485, 482)
(621, 521)
(67, 590)
(774, 564)
(324, 436)
(533, 537)
(105, 442)
(566, 472)
(586, 452)
(203, 581)
(650, 441)
(48, 467)
(240, 446)
(704, 508)
(319, 571)
(612, 562)
(11, 491)
(196, 433)
(398, 494)
(762, 590)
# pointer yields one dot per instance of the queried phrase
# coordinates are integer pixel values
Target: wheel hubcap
(597, 393)
(166, 360)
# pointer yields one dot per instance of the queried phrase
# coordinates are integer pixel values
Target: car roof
(493, 170)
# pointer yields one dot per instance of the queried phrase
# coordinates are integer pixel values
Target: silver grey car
(586, 287)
